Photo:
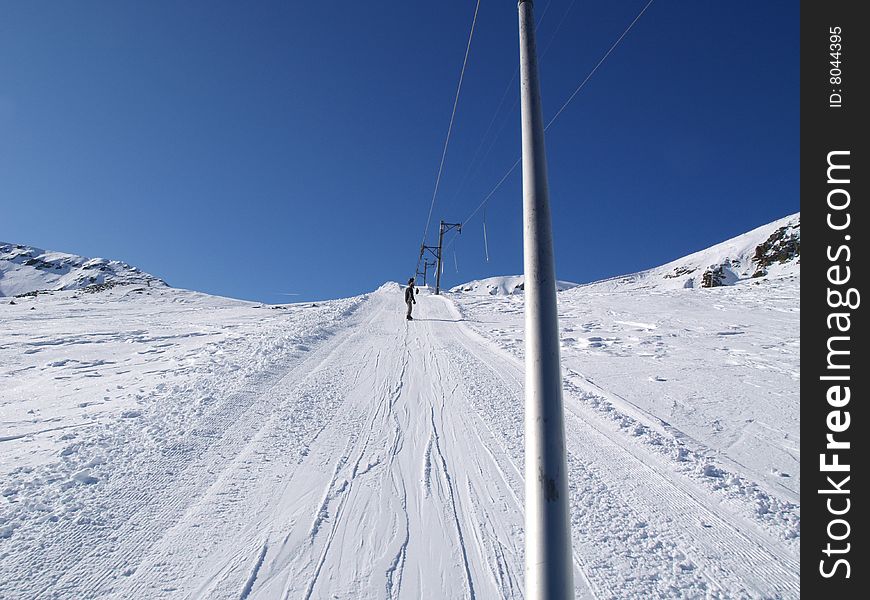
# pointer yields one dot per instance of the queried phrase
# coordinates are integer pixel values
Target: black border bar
(834, 392)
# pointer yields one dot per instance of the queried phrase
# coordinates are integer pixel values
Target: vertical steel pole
(549, 564)
(438, 272)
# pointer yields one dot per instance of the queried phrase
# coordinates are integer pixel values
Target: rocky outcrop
(713, 277)
(782, 246)
(679, 272)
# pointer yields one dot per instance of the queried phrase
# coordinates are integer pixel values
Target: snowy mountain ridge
(502, 286)
(28, 270)
(771, 251)
(767, 252)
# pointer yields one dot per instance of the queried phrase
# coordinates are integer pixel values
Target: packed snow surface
(160, 443)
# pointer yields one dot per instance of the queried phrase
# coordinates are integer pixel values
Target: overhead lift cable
(603, 58)
(562, 108)
(558, 27)
(475, 166)
(449, 130)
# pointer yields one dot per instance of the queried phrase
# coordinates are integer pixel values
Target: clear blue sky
(254, 149)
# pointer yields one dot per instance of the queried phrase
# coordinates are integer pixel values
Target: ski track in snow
(383, 461)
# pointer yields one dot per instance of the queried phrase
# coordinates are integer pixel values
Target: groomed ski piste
(163, 443)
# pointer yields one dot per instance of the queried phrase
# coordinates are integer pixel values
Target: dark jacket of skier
(409, 298)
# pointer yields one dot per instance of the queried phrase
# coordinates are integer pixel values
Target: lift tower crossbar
(442, 229)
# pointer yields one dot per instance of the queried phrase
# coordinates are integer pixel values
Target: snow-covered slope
(502, 286)
(771, 251)
(767, 252)
(160, 443)
(669, 350)
(25, 269)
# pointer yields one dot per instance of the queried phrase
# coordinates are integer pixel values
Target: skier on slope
(409, 298)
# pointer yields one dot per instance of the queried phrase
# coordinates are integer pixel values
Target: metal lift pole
(438, 271)
(549, 564)
(442, 229)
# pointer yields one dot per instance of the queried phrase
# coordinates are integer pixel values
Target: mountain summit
(27, 270)
(771, 251)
